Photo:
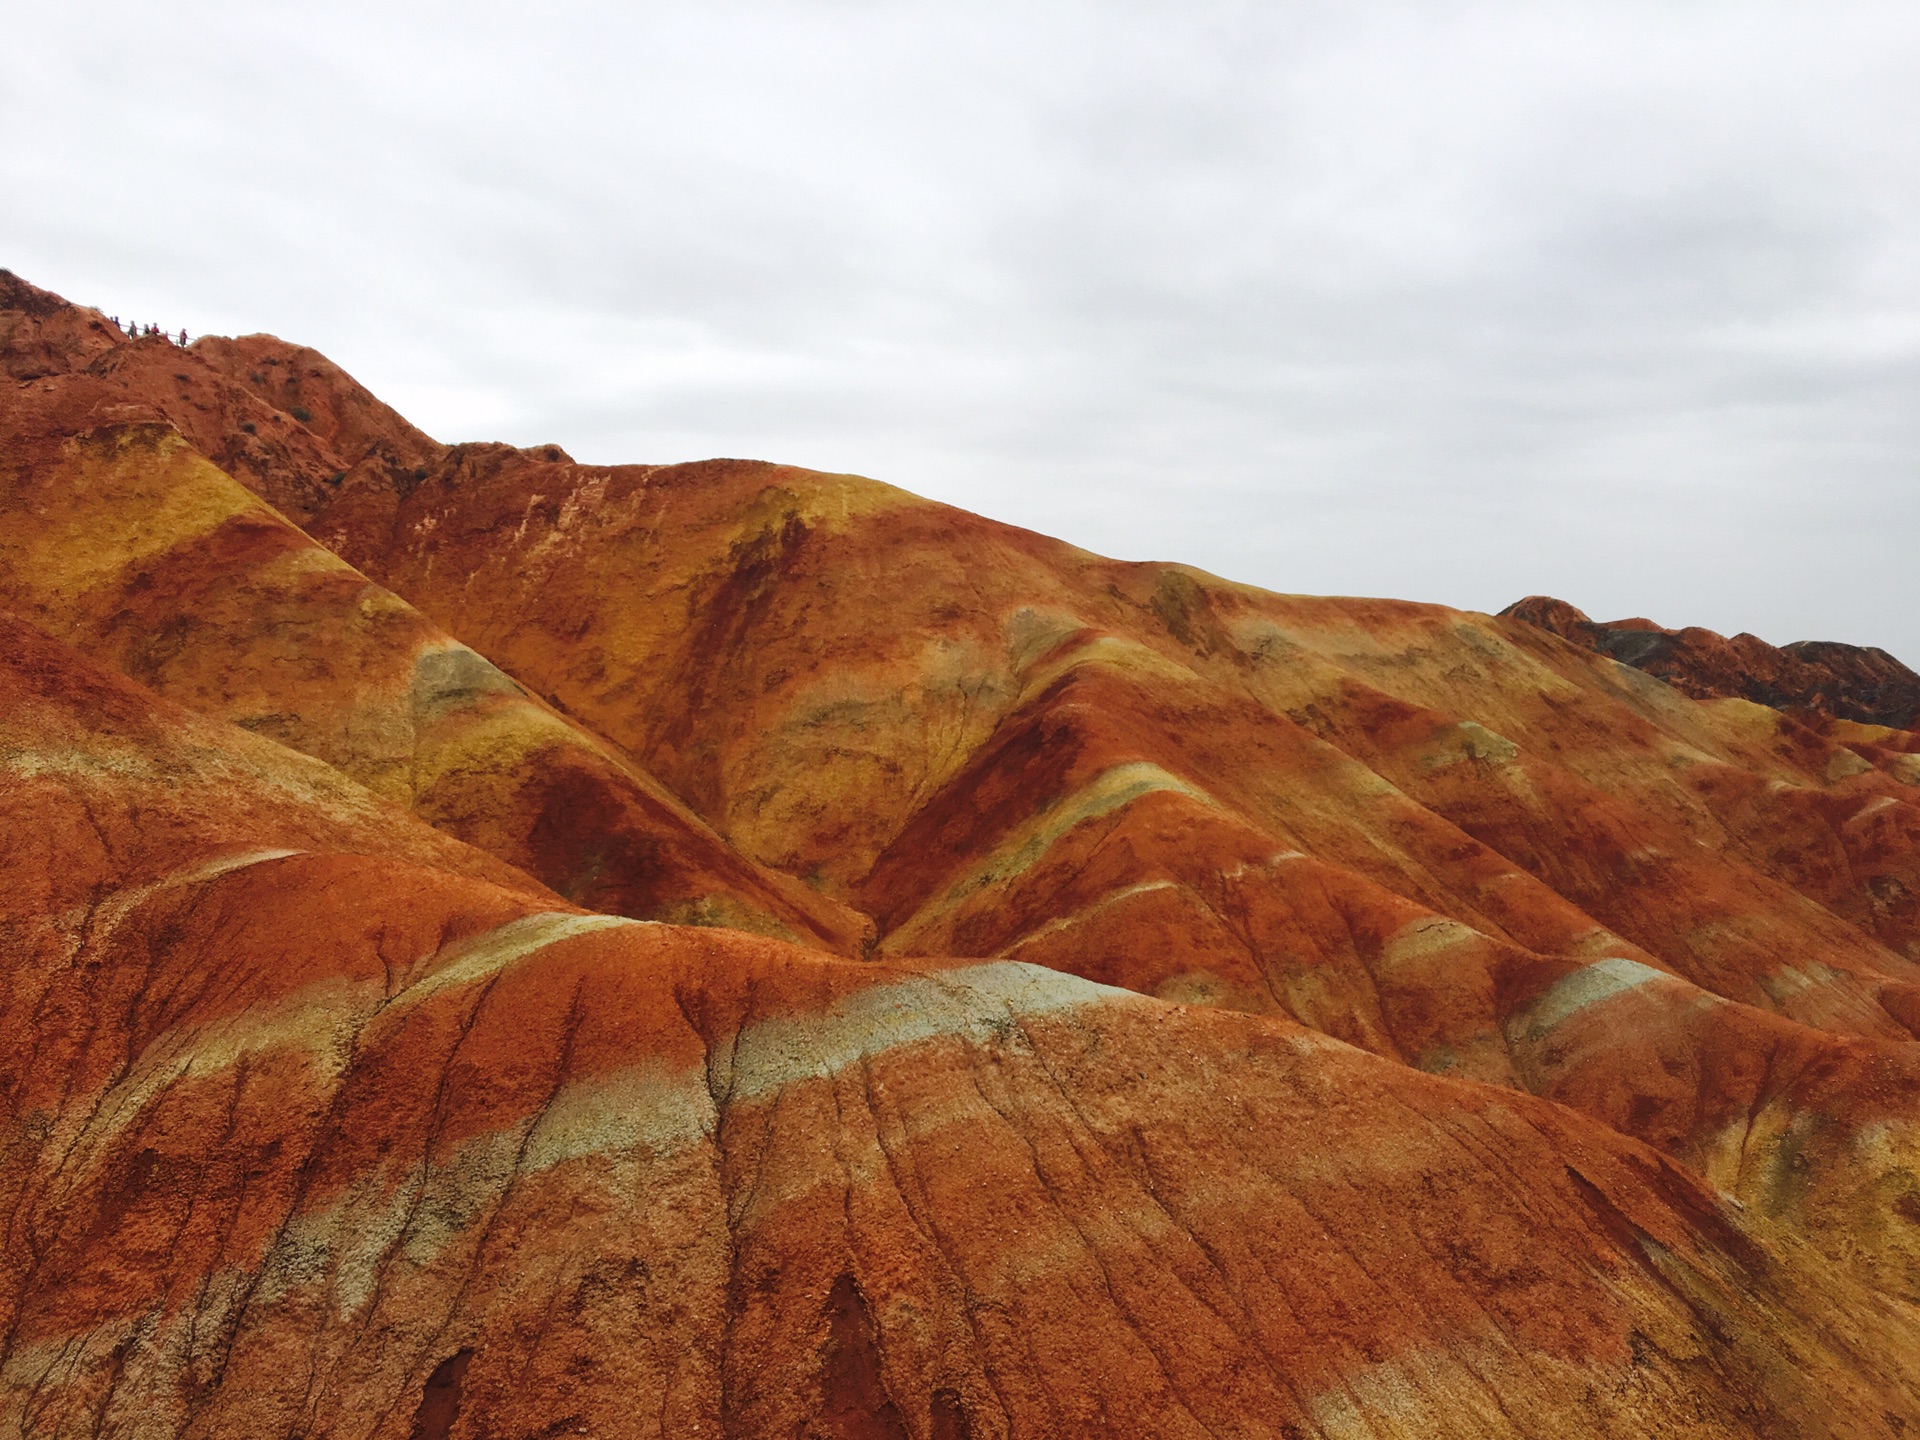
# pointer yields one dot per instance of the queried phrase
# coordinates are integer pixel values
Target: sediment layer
(503, 946)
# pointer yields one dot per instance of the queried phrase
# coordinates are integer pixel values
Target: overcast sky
(1618, 302)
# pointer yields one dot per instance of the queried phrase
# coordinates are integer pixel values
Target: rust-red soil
(496, 946)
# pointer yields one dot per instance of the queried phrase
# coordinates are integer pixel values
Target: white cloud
(1452, 301)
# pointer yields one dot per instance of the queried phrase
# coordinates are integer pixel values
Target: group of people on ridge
(134, 331)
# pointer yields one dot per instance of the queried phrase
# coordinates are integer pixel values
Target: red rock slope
(119, 536)
(324, 1129)
(1270, 913)
(1449, 839)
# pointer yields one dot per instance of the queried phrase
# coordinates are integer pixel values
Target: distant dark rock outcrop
(1843, 682)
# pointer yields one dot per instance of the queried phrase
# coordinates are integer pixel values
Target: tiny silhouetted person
(183, 335)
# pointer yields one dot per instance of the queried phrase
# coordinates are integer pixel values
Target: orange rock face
(122, 538)
(1175, 1009)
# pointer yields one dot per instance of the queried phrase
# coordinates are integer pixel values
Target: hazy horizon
(1454, 303)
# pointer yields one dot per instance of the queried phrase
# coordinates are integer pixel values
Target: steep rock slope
(720, 621)
(1454, 840)
(283, 420)
(116, 534)
(378, 1145)
(333, 1125)
(1482, 815)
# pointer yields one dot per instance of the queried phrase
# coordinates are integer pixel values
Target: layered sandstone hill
(123, 538)
(1176, 1009)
